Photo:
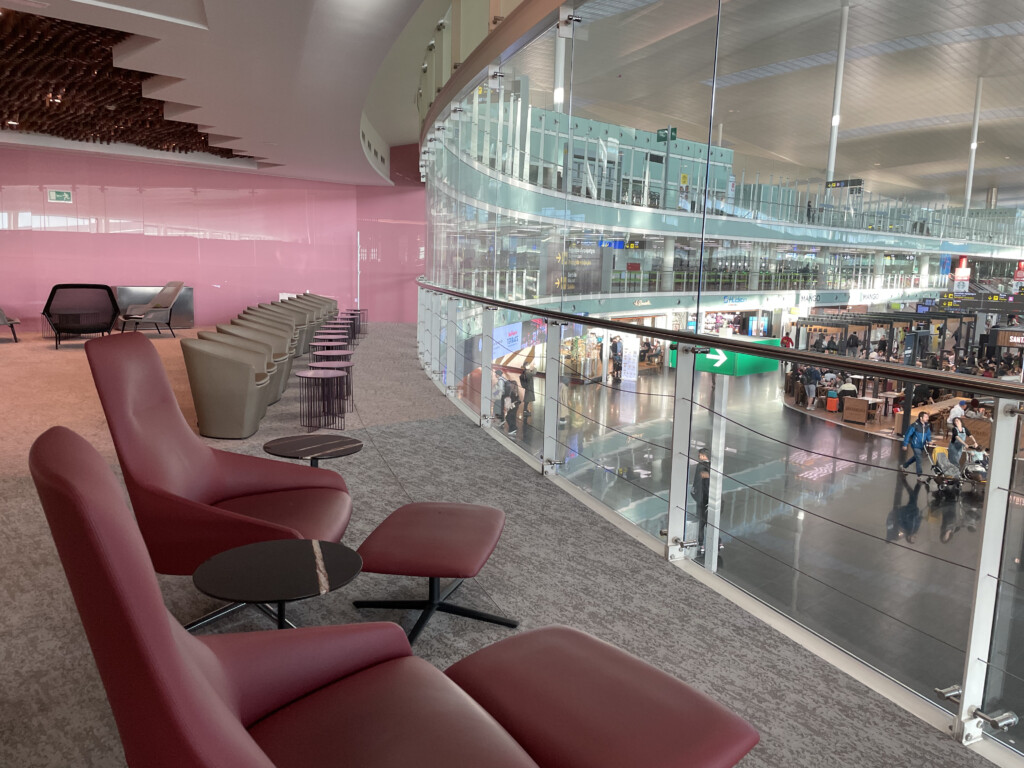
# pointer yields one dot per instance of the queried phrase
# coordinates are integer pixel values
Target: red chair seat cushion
(397, 714)
(572, 701)
(312, 513)
(434, 540)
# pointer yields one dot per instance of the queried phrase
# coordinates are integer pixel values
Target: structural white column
(552, 371)
(558, 95)
(451, 338)
(435, 332)
(986, 580)
(486, 365)
(837, 92)
(668, 265)
(718, 427)
(421, 324)
(974, 148)
(679, 501)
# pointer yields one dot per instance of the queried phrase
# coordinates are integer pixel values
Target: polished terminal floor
(817, 521)
(557, 562)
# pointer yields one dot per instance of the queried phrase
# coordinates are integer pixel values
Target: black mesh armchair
(80, 309)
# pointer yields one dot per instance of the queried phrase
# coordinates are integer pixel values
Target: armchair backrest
(167, 296)
(155, 445)
(165, 687)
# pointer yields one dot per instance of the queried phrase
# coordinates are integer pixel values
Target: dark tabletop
(277, 571)
(313, 447)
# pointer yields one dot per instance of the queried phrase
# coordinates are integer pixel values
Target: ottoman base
(435, 602)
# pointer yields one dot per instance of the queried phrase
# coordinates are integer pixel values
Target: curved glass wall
(747, 171)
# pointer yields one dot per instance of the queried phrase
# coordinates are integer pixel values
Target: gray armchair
(157, 311)
(229, 393)
(10, 322)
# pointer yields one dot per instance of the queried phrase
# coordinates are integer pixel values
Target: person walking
(959, 438)
(810, 378)
(787, 341)
(526, 380)
(616, 353)
(917, 439)
(498, 395)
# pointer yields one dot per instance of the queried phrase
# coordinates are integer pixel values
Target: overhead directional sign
(731, 363)
(664, 134)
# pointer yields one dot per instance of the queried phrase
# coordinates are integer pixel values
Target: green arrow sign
(663, 134)
(737, 363)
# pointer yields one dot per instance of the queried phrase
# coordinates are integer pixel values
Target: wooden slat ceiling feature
(58, 78)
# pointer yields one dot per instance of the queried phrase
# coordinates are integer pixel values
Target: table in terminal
(279, 571)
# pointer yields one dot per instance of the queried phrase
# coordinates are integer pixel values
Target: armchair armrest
(263, 671)
(239, 475)
(182, 534)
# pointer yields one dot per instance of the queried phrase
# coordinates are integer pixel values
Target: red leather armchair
(193, 501)
(350, 695)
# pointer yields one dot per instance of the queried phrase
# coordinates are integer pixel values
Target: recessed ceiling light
(877, 163)
(12, 122)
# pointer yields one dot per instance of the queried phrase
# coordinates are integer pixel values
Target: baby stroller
(948, 478)
(976, 469)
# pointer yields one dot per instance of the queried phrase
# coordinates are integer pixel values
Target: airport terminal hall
(512, 383)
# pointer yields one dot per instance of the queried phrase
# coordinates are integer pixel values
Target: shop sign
(642, 303)
(1010, 339)
(731, 363)
(734, 299)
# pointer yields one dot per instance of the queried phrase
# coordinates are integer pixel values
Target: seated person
(654, 356)
(974, 410)
(847, 389)
(830, 378)
(645, 350)
(922, 395)
(874, 355)
(956, 412)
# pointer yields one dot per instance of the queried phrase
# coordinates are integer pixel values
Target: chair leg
(220, 613)
(435, 602)
(15, 334)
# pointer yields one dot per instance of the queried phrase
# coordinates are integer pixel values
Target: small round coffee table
(279, 571)
(313, 447)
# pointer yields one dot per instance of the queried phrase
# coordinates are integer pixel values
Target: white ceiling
(908, 88)
(282, 80)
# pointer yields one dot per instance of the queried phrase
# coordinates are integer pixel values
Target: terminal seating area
(237, 371)
(328, 695)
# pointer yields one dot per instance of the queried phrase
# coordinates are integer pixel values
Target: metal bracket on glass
(452, 390)
(549, 466)
(1004, 721)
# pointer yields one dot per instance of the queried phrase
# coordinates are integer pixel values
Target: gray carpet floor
(557, 562)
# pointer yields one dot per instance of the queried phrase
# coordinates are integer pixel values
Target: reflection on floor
(817, 519)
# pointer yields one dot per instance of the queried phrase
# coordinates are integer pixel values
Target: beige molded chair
(157, 311)
(273, 370)
(10, 322)
(229, 393)
(275, 338)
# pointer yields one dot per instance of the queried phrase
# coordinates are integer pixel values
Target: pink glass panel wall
(236, 238)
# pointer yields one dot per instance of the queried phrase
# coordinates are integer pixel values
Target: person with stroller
(959, 438)
(917, 439)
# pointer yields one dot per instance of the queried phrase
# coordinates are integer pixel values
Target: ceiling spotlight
(424, 67)
(430, 45)
(12, 122)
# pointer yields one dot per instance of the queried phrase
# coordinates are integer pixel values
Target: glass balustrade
(668, 186)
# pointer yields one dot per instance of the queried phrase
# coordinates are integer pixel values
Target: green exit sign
(663, 134)
(736, 363)
(58, 195)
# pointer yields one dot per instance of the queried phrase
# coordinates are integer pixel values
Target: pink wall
(236, 238)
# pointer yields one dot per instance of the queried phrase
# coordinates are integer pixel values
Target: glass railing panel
(615, 424)
(1004, 683)
(466, 376)
(824, 517)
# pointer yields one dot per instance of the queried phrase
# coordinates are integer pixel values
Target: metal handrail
(956, 381)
